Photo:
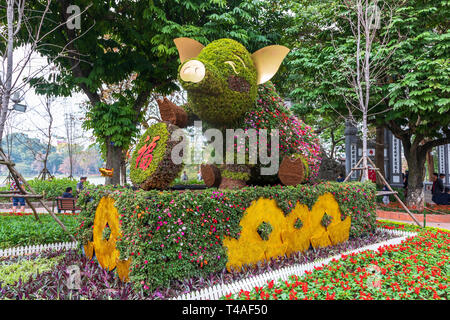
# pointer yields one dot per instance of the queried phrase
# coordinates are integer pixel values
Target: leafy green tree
(409, 95)
(123, 40)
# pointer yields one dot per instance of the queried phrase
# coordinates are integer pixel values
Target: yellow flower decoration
(105, 250)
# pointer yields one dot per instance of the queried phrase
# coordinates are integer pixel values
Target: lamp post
(17, 106)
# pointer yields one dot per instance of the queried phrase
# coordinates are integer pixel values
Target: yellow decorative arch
(250, 248)
(285, 238)
(337, 232)
(297, 239)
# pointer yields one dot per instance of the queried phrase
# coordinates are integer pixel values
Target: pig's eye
(233, 65)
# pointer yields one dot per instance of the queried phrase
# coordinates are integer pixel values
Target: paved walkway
(428, 224)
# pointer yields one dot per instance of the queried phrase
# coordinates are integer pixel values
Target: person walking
(16, 200)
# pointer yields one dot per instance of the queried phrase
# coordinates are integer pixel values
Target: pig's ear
(267, 61)
(188, 48)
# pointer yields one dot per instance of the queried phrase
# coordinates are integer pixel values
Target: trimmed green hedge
(170, 235)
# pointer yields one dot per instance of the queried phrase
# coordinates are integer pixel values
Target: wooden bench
(67, 204)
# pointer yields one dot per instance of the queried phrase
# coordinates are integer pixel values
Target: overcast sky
(35, 116)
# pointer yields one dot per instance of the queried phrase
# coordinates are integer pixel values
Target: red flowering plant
(295, 137)
(416, 269)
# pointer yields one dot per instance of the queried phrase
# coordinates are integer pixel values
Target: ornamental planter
(173, 235)
(151, 163)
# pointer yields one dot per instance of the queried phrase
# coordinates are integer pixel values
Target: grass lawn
(24, 230)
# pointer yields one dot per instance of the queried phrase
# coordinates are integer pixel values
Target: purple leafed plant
(96, 283)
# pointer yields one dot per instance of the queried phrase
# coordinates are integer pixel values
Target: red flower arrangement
(416, 269)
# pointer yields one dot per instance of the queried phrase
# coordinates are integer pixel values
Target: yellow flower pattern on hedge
(105, 250)
(285, 238)
(250, 248)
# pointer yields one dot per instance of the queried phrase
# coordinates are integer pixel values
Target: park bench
(67, 204)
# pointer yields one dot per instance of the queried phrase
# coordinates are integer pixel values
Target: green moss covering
(298, 224)
(264, 230)
(137, 175)
(161, 170)
(305, 163)
(212, 99)
(235, 175)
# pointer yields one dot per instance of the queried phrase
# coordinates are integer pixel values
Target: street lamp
(17, 105)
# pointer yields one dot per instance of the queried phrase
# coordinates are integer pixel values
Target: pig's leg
(292, 171)
(172, 113)
(211, 175)
(234, 176)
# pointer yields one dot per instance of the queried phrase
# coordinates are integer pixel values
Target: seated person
(340, 178)
(68, 193)
(443, 198)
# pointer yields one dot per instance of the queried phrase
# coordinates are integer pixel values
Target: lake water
(93, 179)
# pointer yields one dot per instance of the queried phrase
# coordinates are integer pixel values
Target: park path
(428, 224)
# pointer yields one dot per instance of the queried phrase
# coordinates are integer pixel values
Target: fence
(220, 290)
(19, 251)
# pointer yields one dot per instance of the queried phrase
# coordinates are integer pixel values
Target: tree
(22, 27)
(136, 37)
(412, 86)
(45, 132)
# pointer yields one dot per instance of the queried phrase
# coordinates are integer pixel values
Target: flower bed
(94, 276)
(172, 236)
(415, 269)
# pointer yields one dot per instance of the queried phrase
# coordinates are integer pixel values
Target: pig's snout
(193, 71)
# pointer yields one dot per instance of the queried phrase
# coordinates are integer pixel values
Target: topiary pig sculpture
(222, 81)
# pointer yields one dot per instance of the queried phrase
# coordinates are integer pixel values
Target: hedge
(177, 235)
(50, 189)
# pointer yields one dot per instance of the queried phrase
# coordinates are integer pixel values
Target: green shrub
(50, 189)
(189, 182)
(18, 231)
(25, 269)
(170, 234)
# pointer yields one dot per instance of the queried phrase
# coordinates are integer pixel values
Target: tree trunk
(113, 161)
(365, 172)
(416, 164)
(379, 153)
(9, 68)
(123, 168)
